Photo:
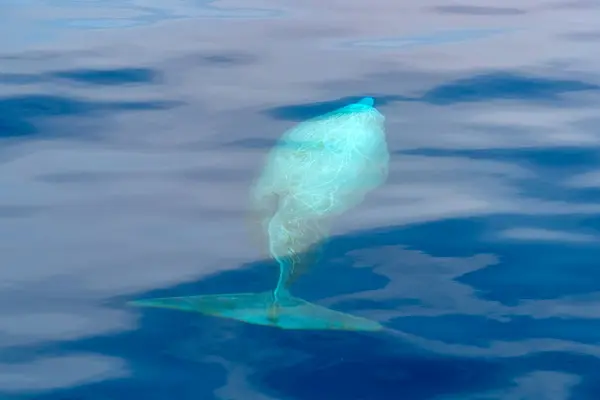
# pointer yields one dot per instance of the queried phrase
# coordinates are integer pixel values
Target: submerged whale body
(319, 169)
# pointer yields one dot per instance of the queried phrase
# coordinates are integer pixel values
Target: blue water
(131, 131)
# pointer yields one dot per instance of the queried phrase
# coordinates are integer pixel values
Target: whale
(319, 169)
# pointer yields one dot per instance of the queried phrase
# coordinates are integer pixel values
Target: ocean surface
(131, 132)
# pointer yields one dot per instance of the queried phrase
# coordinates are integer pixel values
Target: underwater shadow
(381, 377)
(503, 85)
(22, 116)
(172, 349)
(96, 77)
(478, 88)
(109, 77)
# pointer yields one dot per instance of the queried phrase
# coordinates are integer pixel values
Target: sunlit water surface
(130, 132)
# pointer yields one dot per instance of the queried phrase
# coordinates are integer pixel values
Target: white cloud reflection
(538, 234)
(59, 372)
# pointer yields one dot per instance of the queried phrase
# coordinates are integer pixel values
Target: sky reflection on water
(130, 132)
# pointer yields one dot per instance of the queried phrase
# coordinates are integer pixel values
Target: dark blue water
(130, 132)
